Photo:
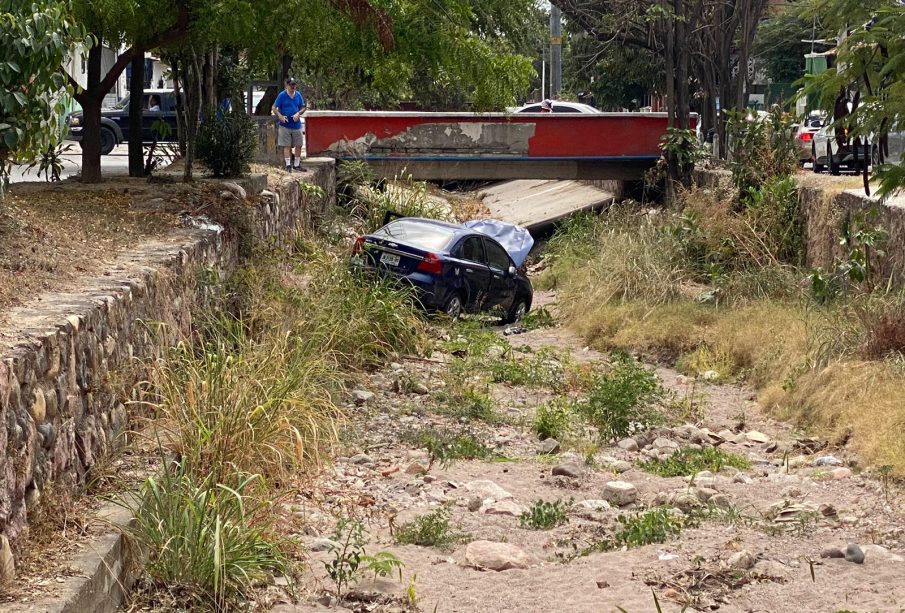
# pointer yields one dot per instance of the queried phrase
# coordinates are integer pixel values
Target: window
(531, 109)
(497, 256)
(424, 235)
(558, 108)
(473, 250)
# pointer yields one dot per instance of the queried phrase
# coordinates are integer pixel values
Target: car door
(502, 284)
(474, 271)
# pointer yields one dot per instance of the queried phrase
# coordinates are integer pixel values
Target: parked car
(558, 107)
(846, 157)
(453, 268)
(804, 136)
(115, 120)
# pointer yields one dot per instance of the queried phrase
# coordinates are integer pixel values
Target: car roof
(584, 108)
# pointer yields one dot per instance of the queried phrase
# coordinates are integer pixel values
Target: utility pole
(555, 52)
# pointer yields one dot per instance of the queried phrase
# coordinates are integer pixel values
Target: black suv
(115, 120)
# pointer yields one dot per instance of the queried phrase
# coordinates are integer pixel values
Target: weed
(350, 557)
(543, 515)
(430, 530)
(542, 369)
(538, 318)
(205, 539)
(554, 419)
(639, 529)
(622, 400)
(405, 196)
(689, 461)
(444, 446)
(885, 472)
(462, 399)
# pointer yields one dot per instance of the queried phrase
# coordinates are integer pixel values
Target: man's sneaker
(288, 168)
(298, 169)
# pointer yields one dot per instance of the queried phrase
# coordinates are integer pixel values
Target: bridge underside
(501, 169)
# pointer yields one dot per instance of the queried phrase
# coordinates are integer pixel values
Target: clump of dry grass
(857, 402)
(649, 283)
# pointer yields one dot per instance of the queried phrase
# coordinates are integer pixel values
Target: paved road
(116, 162)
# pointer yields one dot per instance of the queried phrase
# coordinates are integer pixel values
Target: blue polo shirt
(289, 106)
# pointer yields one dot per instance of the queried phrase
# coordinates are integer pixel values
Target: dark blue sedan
(453, 268)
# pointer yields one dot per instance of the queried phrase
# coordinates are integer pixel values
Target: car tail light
(359, 244)
(431, 264)
(807, 136)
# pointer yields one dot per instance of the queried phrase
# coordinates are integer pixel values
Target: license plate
(389, 259)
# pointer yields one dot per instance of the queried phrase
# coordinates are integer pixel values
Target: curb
(106, 569)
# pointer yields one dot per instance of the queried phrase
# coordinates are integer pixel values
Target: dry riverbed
(800, 529)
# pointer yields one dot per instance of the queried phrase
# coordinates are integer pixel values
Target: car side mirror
(512, 271)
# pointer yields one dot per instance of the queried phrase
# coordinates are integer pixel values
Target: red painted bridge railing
(610, 137)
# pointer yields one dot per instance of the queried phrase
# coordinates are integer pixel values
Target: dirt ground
(784, 511)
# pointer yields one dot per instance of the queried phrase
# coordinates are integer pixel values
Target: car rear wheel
(454, 306)
(517, 311)
(108, 141)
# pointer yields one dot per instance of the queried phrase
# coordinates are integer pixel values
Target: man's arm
(275, 110)
(302, 108)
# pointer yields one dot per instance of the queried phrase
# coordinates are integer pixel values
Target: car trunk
(395, 256)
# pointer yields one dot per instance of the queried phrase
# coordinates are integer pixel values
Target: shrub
(205, 539)
(639, 529)
(538, 318)
(233, 403)
(405, 196)
(554, 419)
(227, 142)
(462, 399)
(444, 446)
(430, 530)
(543, 515)
(761, 148)
(884, 329)
(690, 461)
(352, 175)
(623, 399)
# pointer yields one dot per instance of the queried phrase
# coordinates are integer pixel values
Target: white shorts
(287, 137)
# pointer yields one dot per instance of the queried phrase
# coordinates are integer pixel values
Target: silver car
(828, 155)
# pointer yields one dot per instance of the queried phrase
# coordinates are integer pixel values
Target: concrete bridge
(494, 146)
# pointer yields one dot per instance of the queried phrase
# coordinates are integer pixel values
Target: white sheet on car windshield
(516, 240)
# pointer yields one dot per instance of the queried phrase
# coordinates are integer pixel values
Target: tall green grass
(206, 542)
(248, 407)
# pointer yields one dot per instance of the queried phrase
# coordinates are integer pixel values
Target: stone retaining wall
(67, 379)
(827, 212)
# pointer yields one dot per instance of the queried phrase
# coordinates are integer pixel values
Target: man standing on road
(289, 108)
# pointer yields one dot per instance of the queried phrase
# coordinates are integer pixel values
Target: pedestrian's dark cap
(290, 81)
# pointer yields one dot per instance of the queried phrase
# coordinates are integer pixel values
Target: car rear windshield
(418, 234)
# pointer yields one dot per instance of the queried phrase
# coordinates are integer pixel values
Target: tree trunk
(178, 90)
(270, 94)
(208, 94)
(136, 119)
(193, 85)
(90, 99)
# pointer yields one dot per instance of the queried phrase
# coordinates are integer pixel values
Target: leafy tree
(779, 43)
(35, 39)
(869, 75)
(618, 76)
(130, 24)
(445, 53)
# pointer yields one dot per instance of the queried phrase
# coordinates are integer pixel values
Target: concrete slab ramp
(537, 204)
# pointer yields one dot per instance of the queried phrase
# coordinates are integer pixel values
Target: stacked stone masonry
(67, 371)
